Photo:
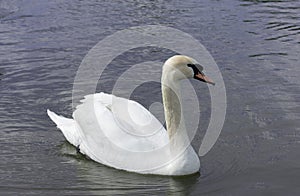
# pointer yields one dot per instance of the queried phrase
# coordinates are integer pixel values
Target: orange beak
(200, 76)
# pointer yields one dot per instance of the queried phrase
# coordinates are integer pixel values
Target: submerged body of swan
(121, 133)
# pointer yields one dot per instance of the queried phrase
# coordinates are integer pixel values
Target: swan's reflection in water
(98, 179)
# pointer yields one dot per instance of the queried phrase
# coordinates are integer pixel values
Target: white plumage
(121, 133)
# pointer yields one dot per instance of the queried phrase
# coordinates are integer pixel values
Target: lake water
(256, 44)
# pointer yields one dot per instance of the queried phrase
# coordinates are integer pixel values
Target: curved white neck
(172, 109)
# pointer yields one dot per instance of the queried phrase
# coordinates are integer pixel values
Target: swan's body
(121, 133)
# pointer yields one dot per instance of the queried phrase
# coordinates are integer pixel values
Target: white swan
(121, 133)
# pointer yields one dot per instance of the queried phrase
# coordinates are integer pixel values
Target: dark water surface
(256, 45)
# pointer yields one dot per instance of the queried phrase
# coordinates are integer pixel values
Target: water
(255, 43)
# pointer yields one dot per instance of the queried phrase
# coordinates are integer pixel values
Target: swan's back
(121, 133)
(109, 136)
(125, 123)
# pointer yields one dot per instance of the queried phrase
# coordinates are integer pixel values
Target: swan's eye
(195, 69)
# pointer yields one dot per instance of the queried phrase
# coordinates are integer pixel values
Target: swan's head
(180, 67)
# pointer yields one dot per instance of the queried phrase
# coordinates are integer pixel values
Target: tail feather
(68, 127)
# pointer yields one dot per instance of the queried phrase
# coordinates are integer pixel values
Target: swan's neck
(173, 110)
